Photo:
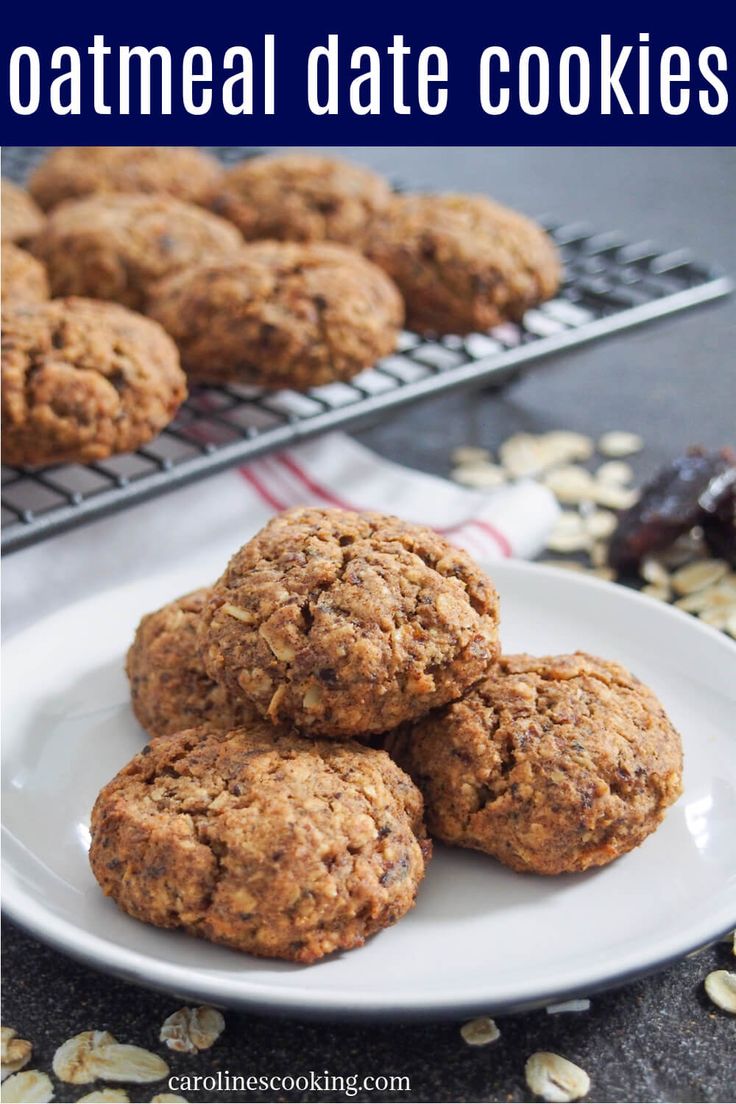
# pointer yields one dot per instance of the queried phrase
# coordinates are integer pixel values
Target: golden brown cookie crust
(301, 197)
(169, 689)
(117, 246)
(551, 764)
(266, 842)
(281, 315)
(82, 380)
(21, 218)
(348, 624)
(463, 263)
(23, 277)
(71, 172)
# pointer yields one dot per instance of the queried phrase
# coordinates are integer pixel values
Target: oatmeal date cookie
(23, 277)
(463, 263)
(300, 197)
(169, 689)
(281, 315)
(550, 764)
(82, 380)
(71, 172)
(117, 246)
(347, 624)
(259, 839)
(21, 218)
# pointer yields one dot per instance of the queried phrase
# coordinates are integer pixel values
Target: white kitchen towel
(203, 524)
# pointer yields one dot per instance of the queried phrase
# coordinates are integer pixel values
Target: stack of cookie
(286, 271)
(340, 681)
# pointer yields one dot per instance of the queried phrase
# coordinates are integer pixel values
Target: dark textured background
(675, 383)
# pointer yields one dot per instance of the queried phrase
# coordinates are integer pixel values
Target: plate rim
(144, 969)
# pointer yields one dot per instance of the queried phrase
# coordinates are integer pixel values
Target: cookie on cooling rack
(463, 263)
(24, 278)
(117, 246)
(82, 380)
(169, 689)
(21, 217)
(348, 624)
(280, 314)
(261, 840)
(551, 764)
(300, 197)
(71, 172)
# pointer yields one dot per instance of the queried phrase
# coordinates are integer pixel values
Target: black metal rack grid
(610, 285)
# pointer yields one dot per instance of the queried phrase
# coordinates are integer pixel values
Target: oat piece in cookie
(281, 315)
(117, 246)
(82, 380)
(463, 263)
(301, 197)
(168, 686)
(71, 172)
(347, 624)
(21, 218)
(551, 764)
(23, 277)
(262, 840)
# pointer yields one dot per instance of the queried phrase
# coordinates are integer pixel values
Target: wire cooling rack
(610, 285)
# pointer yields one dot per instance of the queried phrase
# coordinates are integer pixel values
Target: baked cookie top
(21, 217)
(117, 246)
(300, 197)
(281, 314)
(83, 379)
(168, 686)
(261, 840)
(551, 763)
(23, 277)
(463, 262)
(71, 172)
(347, 624)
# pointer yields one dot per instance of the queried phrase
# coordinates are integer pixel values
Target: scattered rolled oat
(614, 496)
(480, 1032)
(697, 576)
(571, 484)
(720, 986)
(599, 554)
(654, 572)
(562, 565)
(28, 1087)
(94, 1055)
(654, 590)
(168, 1098)
(615, 472)
(716, 618)
(581, 1005)
(479, 474)
(569, 534)
(619, 442)
(606, 573)
(470, 454)
(105, 1096)
(600, 524)
(192, 1029)
(554, 1078)
(15, 1052)
(526, 454)
(567, 445)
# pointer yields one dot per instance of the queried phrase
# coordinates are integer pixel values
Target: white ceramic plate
(480, 937)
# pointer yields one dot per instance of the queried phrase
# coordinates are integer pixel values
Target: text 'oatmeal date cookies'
(70, 172)
(463, 263)
(261, 840)
(23, 277)
(117, 246)
(21, 218)
(550, 764)
(348, 624)
(83, 380)
(168, 685)
(300, 197)
(281, 315)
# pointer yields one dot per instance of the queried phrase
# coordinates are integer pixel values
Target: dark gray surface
(674, 382)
